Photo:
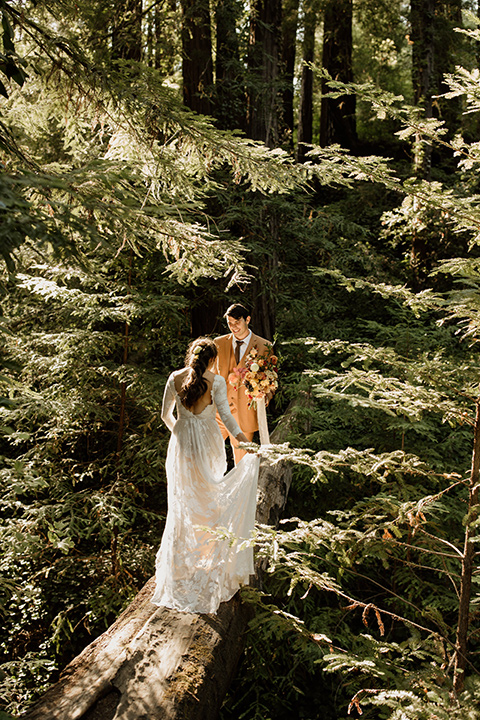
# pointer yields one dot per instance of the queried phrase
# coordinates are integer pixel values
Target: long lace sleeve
(168, 405)
(219, 391)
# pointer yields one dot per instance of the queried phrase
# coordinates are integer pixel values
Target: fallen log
(159, 663)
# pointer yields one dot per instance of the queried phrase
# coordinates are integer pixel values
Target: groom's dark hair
(237, 311)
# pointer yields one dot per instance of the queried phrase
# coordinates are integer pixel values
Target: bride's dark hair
(199, 355)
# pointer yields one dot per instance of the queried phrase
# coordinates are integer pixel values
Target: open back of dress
(197, 568)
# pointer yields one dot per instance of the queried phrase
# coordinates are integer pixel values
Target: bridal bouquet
(258, 376)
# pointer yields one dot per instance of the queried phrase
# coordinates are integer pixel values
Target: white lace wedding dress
(196, 569)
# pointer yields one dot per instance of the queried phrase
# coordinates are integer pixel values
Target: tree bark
(264, 101)
(289, 46)
(305, 115)
(337, 118)
(197, 68)
(156, 662)
(468, 562)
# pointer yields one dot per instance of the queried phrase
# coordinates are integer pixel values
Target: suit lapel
(230, 357)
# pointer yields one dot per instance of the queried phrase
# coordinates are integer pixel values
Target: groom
(233, 349)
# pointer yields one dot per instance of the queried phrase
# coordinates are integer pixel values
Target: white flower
(254, 367)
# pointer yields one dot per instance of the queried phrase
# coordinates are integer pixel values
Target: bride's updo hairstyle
(199, 355)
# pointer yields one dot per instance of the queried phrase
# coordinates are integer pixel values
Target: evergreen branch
(385, 104)
(442, 540)
(129, 22)
(29, 25)
(427, 551)
(302, 572)
(364, 462)
(334, 166)
(354, 602)
(430, 568)
(456, 589)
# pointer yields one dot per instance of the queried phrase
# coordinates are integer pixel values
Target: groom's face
(239, 327)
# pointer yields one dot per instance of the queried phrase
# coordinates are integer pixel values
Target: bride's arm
(168, 405)
(219, 392)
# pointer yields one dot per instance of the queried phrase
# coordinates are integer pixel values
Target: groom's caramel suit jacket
(237, 399)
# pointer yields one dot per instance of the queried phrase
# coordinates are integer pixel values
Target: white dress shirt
(243, 347)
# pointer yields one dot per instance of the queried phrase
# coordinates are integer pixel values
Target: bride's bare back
(206, 398)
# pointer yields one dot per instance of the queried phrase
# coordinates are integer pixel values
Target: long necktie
(237, 351)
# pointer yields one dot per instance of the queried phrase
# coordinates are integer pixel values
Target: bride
(204, 556)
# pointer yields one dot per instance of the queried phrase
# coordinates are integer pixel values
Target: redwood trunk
(425, 85)
(197, 69)
(264, 100)
(337, 118)
(305, 118)
(289, 44)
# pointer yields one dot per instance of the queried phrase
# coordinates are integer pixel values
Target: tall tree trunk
(422, 19)
(127, 30)
(425, 85)
(289, 46)
(305, 115)
(158, 38)
(197, 68)
(337, 118)
(468, 562)
(264, 101)
(229, 86)
(264, 285)
(264, 115)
